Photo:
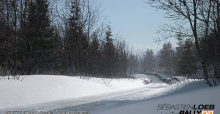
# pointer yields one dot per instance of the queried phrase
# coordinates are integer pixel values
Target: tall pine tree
(108, 54)
(188, 62)
(39, 40)
(166, 57)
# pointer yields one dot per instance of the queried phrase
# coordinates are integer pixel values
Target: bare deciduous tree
(202, 17)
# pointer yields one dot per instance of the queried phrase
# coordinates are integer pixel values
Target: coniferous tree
(121, 59)
(30, 45)
(108, 54)
(3, 41)
(132, 63)
(94, 56)
(188, 62)
(8, 36)
(166, 57)
(179, 50)
(72, 39)
(83, 54)
(148, 61)
(58, 54)
(38, 38)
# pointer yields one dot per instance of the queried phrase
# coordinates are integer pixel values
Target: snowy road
(196, 93)
(107, 96)
(111, 101)
(154, 89)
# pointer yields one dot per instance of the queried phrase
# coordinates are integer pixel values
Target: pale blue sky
(135, 21)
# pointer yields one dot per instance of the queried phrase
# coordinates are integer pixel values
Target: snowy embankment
(194, 94)
(61, 91)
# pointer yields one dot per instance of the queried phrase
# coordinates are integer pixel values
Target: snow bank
(197, 93)
(45, 88)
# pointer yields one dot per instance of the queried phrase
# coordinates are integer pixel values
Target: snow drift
(45, 88)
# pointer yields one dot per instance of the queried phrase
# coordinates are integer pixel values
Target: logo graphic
(186, 108)
(207, 112)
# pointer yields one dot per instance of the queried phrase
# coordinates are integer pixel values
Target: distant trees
(166, 57)
(182, 61)
(148, 61)
(133, 63)
(163, 61)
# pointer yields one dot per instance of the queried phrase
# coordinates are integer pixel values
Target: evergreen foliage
(188, 62)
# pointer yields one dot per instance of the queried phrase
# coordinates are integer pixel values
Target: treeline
(182, 60)
(35, 39)
(170, 60)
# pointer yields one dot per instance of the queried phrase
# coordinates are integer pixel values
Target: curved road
(154, 89)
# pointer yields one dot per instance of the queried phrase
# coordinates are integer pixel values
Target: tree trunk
(202, 57)
(205, 73)
(15, 36)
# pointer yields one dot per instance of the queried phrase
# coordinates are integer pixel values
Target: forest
(37, 38)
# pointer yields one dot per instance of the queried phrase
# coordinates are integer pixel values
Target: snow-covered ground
(196, 93)
(45, 88)
(46, 92)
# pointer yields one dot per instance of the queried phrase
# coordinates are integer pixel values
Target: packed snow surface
(44, 88)
(48, 92)
(196, 93)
